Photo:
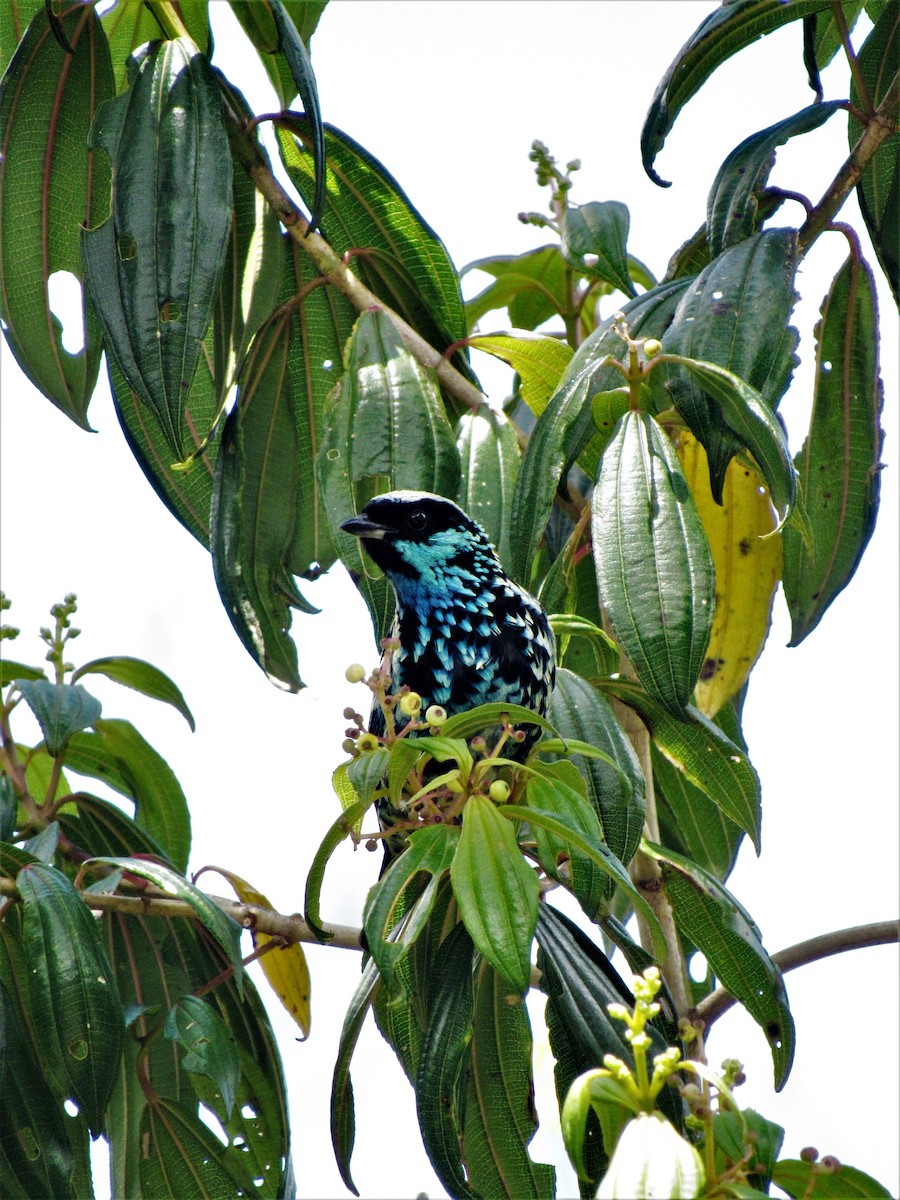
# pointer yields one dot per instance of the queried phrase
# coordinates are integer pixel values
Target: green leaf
(291, 45)
(732, 208)
(10, 671)
(341, 829)
(593, 242)
(702, 752)
(496, 890)
(566, 429)
(530, 286)
(122, 758)
(129, 25)
(61, 709)
(224, 930)
(569, 628)
(49, 185)
(839, 465)
(539, 361)
(500, 1119)
(441, 1059)
(725, 933)
(255, 507)
(429, 851)
(14, 19)
(153, 265)
(343, 1118)
(401, 438)
(827, 40)
(751, 1137)
(8, 808)
(579, 711)
(810, 1181)
(106, 829)
(735, 315)
(36, 1142)
(72, 994)
(489, 463)
(724, 32)
(879, 188)
(43, 844)
(690, 822)
(210, 1049)
(403, 261)
(257, 22)
(140, 675)
(655, 573)
(182, 1159)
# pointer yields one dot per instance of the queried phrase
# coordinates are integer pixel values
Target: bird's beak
(363, 527)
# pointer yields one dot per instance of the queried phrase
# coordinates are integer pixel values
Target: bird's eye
(417, 520)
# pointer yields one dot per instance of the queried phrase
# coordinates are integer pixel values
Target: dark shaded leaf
(726, 30)
(500, 1119)
(691, 823)
(594, 240)
(257, 22)
(733, 204)
(10, 670)
(840, 463)
(343, 1117)
(489, 463)
(106, 829)
(341, 829)
(153, 265)
(439, 1103)
(142, 676)
(210, 1049)
(386, 428)
(122, 758)
(291, 45)
(725, 933)
(182, 1159)
(49, 185)
(61, 709)
(72, 993)
(735, 315)
(827, 38)
(748, 1136)
(8, 808)
(655, 574)
(879, 188)
(809, 1181)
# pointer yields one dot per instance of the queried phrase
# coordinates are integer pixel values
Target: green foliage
(129, 161)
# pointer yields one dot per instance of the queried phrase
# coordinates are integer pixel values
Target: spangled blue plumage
(467, 634)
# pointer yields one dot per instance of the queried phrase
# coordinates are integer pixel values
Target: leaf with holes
(209, 1048)
(593, 242)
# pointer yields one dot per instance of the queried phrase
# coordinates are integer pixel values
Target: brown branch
(880, 933)
(880, 127)
(332, 266)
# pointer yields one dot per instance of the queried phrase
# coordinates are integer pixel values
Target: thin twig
(879, 933)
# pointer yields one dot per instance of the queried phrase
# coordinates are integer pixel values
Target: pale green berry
(348, 746)
(411, 704)
(367, 741)
(355, 673)
(435, 715)
(652, 347)
(499, 791)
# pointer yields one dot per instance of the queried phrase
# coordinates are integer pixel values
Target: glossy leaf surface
(594, 238)
(489, 458)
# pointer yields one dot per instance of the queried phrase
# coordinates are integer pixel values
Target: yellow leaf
(285, 967)
(748, 568)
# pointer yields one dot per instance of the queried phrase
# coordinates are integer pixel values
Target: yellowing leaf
(539, 360)
(285, 968)
(748, 568)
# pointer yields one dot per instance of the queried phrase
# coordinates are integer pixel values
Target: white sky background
(449, 97)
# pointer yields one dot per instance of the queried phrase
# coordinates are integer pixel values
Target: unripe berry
(411, 704)
(367, 741)
(809, 1154)
(499, 791)
(355, 673)
(436, 716)
(652, 347)
(348, 746)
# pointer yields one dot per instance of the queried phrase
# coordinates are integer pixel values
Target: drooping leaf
(49, 185)
(702, 752)
(343, 1116)
(839, 464)
(489, 463)
(879, 188)
(497, 892)
(530, 286)
(473, 720)
(182, 1158)
(449, 1031)
(8, 808)
(583, 646)
(726, 30)
(106, 829)
(566, 429)
(285, 968)
(209, 1048)
(257, 22)
(594, 240)
(735, 315)
(690, 822)
(732, 207)
(140, 675)
(401, 438)
(827, 40)
(292, 46)
(579, 711)
(153, 265)
(119, 755)
(655, 574)
(747, 563)
(61, 709)
(72, 993)
(342, 828)
(727, 936)
(500, 1119)
(396, 254)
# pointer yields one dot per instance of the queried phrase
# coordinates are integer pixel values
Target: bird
(464, 633)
